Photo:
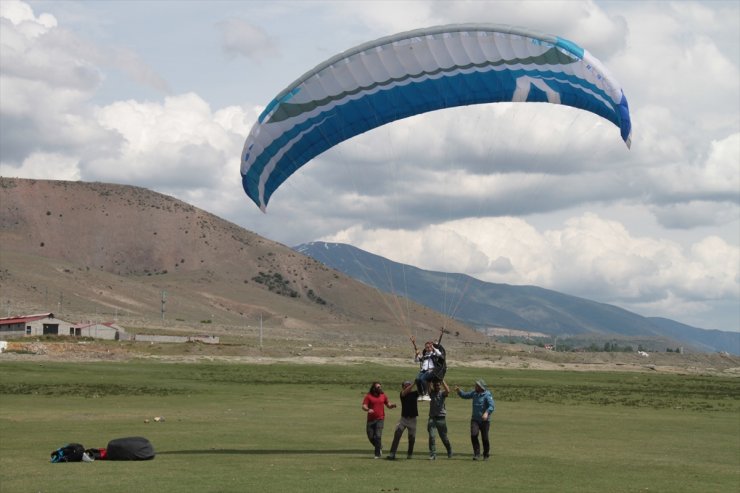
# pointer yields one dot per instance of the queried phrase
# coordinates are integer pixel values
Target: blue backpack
(72, 452)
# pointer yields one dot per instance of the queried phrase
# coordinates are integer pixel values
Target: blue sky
(162, 95)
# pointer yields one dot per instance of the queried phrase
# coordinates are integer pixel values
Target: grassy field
(288, 428)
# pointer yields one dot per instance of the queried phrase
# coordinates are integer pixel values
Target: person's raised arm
(407, 389)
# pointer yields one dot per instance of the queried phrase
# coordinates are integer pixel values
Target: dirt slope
(94, 251)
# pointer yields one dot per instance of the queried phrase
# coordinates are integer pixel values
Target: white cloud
(48, 77)
(21, 15)
(240, 37)
(716, 177)
(689, 73)
(37, 166)
(585, 22)
(130, 63)
(178, 144)
(36, 50)
(697, 213)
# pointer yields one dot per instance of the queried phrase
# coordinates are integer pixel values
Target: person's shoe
(391, 457)
(420, 398)
(376, 457)
(449, 454)
(426, 397)
(476, 457)
(432, 457)
(486, 457)
(408, 456)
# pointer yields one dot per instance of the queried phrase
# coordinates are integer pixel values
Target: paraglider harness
(440, 362)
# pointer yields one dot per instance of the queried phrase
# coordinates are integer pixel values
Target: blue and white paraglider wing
(415, 72)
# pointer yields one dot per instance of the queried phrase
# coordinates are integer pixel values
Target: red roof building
(33, 325)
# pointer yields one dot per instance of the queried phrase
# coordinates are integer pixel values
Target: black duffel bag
(129, 448)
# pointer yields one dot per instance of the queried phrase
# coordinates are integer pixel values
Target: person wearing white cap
(480, 421)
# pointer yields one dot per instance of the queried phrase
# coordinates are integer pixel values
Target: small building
(43, 324)
(40, 324)
(98, 330)
(205, 339)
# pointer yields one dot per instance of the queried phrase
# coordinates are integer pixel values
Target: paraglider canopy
(415, 72)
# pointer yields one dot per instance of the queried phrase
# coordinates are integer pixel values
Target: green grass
(288, 428)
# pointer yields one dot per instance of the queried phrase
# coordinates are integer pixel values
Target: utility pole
(164, 300)
(260, 332)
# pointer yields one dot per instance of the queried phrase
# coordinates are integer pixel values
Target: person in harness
(432, 365)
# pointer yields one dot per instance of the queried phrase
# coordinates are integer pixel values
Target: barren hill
(84, 250)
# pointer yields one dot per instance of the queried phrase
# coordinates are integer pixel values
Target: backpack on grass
(72, 452)
(129, 448)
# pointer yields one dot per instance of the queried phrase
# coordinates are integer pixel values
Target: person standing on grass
(409, 412)
(438, 418)
(373, 404)
(480, 422)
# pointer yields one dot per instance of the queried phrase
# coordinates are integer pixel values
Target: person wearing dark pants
(373, 404)
(409, 412)
(438, 418)
(480, 428)
(480, 421)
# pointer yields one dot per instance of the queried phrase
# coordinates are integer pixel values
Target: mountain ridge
(527, 308)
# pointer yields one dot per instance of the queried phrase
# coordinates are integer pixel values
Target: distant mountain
(710, 340)
(528, 308)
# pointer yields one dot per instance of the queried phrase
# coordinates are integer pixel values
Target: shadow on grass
(265, 452)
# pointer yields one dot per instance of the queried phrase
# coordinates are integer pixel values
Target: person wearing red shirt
(373, 404)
